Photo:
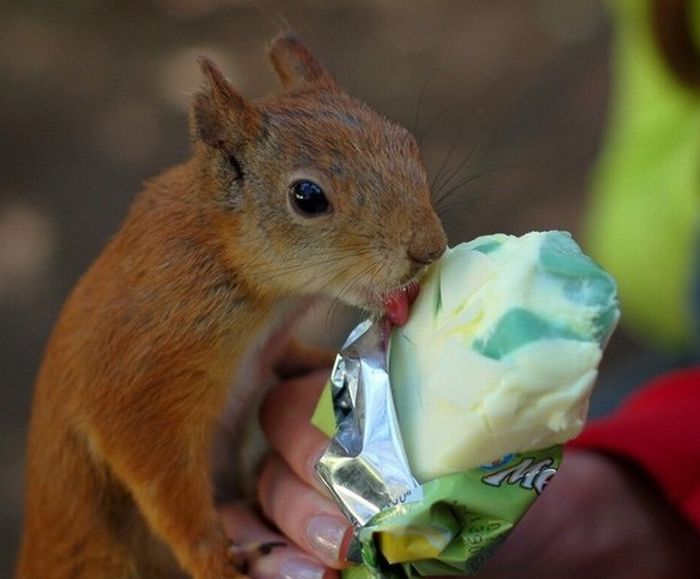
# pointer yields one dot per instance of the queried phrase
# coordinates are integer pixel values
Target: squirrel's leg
(162, 457)
(78, 521)
(176, 500)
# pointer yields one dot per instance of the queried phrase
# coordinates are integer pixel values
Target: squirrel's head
(315, 192)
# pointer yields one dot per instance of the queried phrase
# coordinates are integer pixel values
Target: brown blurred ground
(94, 99)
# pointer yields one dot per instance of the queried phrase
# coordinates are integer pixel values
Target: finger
(243, 526)
(309, 519)
(286, 420)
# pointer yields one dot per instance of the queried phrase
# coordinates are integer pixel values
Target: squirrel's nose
(426, 255)
(427, 241)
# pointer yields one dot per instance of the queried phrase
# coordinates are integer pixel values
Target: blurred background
(510, 96)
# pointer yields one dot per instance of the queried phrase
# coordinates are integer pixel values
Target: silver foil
(365, 467)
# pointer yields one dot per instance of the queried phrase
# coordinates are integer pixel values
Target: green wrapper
(458, 523)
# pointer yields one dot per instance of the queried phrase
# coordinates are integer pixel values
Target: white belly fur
(239, 443)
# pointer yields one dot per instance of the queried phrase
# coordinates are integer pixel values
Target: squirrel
(285, 198)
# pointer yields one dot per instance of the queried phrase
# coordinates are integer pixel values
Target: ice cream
(500, 352)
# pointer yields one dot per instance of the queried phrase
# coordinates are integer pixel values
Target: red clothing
(659, 429)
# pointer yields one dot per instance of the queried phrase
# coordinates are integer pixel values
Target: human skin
(599, 517)
(291, 498)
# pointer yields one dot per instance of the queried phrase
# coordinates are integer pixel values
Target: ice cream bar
(500, 352)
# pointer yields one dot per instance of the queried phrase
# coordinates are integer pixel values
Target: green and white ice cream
(500, 351)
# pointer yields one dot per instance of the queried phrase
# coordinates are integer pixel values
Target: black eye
(308, 198)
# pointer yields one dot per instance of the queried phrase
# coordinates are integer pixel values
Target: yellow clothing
(644, 218)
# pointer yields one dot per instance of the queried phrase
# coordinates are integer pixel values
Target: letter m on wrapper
(527, 473)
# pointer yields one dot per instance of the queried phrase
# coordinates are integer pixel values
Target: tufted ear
(220, 117)
(296, 66)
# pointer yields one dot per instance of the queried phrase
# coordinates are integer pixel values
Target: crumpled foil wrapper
(450, 525)
(365, 467)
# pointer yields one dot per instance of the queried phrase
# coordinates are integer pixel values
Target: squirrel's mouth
(398, 302)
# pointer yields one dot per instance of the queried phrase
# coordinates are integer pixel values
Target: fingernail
(326, 534)
(298, 568)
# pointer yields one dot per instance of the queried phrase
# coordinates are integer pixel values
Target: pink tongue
(398, 303)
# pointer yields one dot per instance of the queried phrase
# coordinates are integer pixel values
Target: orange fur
(137, 370)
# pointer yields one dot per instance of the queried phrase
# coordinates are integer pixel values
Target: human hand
(290, 495)
(597, 518)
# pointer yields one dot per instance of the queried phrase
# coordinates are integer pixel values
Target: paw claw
(266, 548)
(242, 555)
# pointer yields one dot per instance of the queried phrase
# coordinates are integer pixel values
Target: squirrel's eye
(308, 198)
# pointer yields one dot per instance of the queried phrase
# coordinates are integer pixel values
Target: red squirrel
(287, 197)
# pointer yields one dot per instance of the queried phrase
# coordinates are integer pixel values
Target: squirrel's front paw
(243, 554)
(216, 558)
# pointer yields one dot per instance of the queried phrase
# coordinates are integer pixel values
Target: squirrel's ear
(295, 65)
(219, 115)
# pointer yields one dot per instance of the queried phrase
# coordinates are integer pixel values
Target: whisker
(416, 118)
(455, 172)
(447, 158)
(449, 210)
(427, 127)
(446, 195)
(279, 272)
(337, 260)
(338, 299)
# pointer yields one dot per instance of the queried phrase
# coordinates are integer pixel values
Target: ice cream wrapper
(496, 302)
(447, 526)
